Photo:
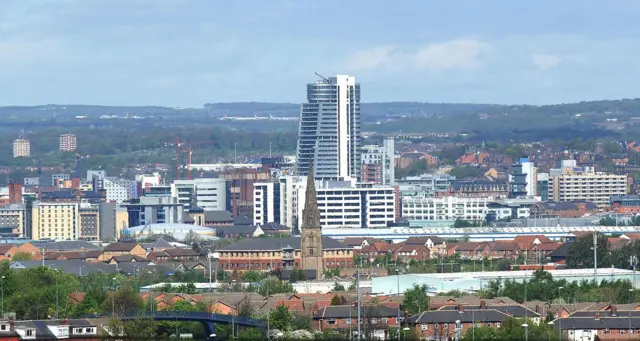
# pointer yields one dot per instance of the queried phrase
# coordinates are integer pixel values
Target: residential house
(472, 159)
(182, 254)
(7, 251)
(503, 249)
(87, 256)
(123, 249)
(541, 252)
(405, 253)
(616, 327)
(438, 302)
(378, 249)
(513, 310)
(472, 250)
(442, 324)
(437, 246)
(357, 243)
(375, 320)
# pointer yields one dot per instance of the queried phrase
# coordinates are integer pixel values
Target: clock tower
(310, 231)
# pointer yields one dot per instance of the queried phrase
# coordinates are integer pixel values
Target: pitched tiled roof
(466, 316)
(346, 311)
(470, 246)
(218, 216)
(120, 247)
(423, 240)
(181, 252)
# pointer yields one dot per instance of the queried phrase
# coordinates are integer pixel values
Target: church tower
(310, 231)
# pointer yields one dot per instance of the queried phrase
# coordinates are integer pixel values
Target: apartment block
(448, 208)
(119, 190)
(210, 194)
(89, 222)
(341, 203)
(575, 184)
(378, 163)
(55, 220)
(13, 220)
(21, 148)
(266, 203)
(67, 142)
(426, 185)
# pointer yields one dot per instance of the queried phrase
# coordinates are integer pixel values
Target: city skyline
(188, 53)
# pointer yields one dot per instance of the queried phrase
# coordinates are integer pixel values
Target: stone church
(311, 231)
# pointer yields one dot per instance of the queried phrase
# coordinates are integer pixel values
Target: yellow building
(55, 220)
(122, 221)
(13, 217)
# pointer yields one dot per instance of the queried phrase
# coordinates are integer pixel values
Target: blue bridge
(208, 320)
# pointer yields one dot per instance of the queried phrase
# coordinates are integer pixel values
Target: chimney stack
(461, 308)
(483, 305)
(597, 315)
(614, 310)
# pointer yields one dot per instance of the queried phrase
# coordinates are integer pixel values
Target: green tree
(252, 276)
(416, 299)
(482, 333)
(124, 300)
(338, 300)
(250, 334)
(338, 287)
(281, 318)
(580, 253)
(19, 256)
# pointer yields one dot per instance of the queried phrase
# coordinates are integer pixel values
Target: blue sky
(186, 53)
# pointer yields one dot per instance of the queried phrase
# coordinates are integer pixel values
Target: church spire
(310, 214)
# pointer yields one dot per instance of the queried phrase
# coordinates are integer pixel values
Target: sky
(187, 53)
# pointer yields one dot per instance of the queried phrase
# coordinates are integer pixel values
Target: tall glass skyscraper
(329, 135)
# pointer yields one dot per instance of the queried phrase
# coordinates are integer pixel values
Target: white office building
(210, 194)
(448, 208)
(571, 183)
(266, 203)
(530, 171)
(341, 204)
(377, 163)
(329, 133)
(119, 190)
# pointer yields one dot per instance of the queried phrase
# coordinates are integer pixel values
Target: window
(331, 321)
(347, 321)
(31, 332)
(424, 326)
(3, 327)
(374, 321)
(384, 320)
(78, 330)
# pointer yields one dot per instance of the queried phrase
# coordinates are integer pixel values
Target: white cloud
(548, 61)
(370, 59)
(455, 54)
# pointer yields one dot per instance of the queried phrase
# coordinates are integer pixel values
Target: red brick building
(279, 253)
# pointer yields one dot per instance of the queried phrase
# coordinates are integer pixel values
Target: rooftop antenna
(319, 75)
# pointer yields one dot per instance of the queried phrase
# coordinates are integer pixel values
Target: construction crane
(186, 147)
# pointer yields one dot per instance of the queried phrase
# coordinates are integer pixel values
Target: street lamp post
(57, 294)
(526, 331)
(550, 324)
(398, 296)
(3, 297)
(560, 317)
